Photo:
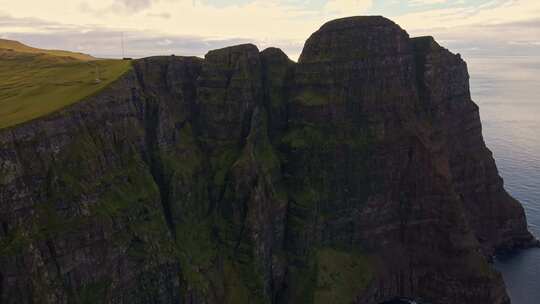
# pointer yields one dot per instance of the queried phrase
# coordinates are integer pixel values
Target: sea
(507, 89)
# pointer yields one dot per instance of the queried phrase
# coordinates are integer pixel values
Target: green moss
(267, 156)
(341, 276)
(128, 190)
(73, 175)
(185, 159)
(259, 153)
(148, 237)
(183, 171)
(197, 250)
(250, 269)
(51, 223)
(329, 275)
(221, 162)
(310, 180)
(257, 166)
(309, 136)
(238, 246)
(235, 289)
(214, 96)
(125, 193)
(326, 136)
(329, 184)
(312, 98)
(91, 293)
(477, 264)
(306, 196)
(303, 280)
(14, 243)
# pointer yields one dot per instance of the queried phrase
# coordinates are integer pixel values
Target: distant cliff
(353, 176)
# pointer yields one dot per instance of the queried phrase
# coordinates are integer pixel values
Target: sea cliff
(355, 175)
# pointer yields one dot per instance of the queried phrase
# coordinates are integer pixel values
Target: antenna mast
(123, 52)
(98, 80)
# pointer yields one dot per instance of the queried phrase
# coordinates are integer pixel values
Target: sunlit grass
(18, 47)
(34, 84)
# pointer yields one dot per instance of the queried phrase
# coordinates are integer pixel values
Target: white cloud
(347, 7)
(492, 12)
(165, 42)
(426, 2)
(524, 42)
(281, 23)
(133, 5)
(503, 39)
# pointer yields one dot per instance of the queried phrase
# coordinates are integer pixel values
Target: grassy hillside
(15, 46)
(36, 82)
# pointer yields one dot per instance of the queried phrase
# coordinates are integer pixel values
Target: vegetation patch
(37, 84)
(90, 293)
(128, 189)
(197, 251)
(341, 276)
(303, 280)
(11, 46)
(312, 98)
(14, 243)
(235, 289)
(221, 162)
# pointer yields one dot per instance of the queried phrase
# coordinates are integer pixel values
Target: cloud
(106, 43)
(503, 39)
(347, 7)
(132, 6)
(159, 15)
(526, 43)
(491, 12)
(222, 3)
(165, 42)
(195, 27)
(426, 2)
(8, 21)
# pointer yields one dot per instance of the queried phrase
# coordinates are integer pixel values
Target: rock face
(353, 176)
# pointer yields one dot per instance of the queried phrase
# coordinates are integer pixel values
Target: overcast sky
(192, 27)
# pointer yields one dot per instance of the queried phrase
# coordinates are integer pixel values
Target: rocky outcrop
(353, 176)
(496, 218)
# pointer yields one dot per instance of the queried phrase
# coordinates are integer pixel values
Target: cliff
(353, 176)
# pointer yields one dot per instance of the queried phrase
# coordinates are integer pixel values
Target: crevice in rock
(154, 160)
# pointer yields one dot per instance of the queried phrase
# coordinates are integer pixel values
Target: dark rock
(497, 219)
(356, 175)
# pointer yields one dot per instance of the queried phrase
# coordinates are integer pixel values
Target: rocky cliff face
(353, 176)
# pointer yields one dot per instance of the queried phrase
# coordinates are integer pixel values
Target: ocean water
(507, 89)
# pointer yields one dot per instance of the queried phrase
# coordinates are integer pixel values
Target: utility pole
(98, 80)
(123, 51)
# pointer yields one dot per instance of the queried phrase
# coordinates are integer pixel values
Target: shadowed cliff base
(357, 175)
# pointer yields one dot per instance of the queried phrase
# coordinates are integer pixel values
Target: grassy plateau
(35, 82)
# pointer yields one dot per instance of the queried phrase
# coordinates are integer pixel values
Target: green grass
(36, 84)
(15, 46)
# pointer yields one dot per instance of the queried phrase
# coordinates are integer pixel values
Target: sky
(193, 27)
